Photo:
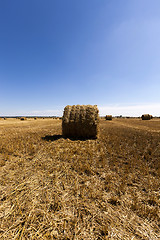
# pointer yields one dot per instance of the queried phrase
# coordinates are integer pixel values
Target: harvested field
(56, 188)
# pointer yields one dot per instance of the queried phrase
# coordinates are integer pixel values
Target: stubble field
(56, 188)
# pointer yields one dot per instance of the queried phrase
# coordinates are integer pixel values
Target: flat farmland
(57, 188)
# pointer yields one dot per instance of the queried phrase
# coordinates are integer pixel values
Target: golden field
(56, 188)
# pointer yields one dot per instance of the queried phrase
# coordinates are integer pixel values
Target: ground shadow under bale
(56, 137)
(52, 137)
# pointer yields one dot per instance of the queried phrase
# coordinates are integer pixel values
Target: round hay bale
(23, 118)
(108, 117)
(146, 117)
(80, 121)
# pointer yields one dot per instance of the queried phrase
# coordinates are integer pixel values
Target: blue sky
(59, 52)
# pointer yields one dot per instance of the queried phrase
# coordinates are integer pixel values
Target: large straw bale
(108, 117)
(80, 121)
(146, 117)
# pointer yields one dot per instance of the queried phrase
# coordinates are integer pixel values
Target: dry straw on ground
(80, 121)
(108, 117)
(52, 188)
(146, 117)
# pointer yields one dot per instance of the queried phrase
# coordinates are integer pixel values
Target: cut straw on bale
(80, 121)
(146, 117)
(108, 117)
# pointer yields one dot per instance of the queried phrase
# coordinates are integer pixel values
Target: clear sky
(59, 52)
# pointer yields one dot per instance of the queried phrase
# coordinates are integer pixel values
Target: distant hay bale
(5, 118)
(146, 117)
(23, 118)
(108, 117)
(80, 121)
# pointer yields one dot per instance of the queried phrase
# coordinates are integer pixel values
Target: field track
(152, 125)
